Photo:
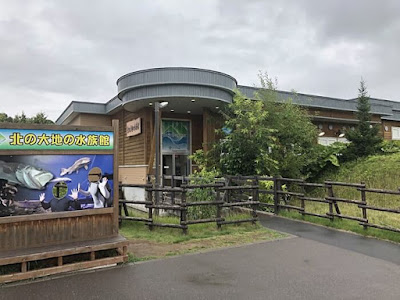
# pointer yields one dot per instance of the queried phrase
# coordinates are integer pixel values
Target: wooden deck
(89, 258)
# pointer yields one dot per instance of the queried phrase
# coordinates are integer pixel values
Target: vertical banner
(175, 135)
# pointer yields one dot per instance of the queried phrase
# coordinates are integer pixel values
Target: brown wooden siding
(132, 149)
(91, 120)
(211, 122)
(387, 135)
(35, 233)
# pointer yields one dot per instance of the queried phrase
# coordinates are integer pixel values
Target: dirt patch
(150, 249)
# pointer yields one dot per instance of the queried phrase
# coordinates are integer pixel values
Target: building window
(395, 133)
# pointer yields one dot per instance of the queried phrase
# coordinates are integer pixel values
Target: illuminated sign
(134, 127)
(25, 139)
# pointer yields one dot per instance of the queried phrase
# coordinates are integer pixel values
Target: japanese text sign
(25, 139)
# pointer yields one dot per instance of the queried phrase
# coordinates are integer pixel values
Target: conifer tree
(365, 139)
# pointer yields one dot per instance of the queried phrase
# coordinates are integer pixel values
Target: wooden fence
(177, 199)
(285, 191)
(259, 192)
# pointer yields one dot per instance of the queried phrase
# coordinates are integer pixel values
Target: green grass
(138, 230)
(200, 237)
(379, 172)
(347, 225)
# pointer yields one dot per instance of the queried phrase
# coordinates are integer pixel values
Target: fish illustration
(60, 179)
(80, 163)
(28, 176)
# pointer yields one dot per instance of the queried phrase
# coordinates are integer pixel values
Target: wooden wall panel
(132, 150)
(94, 120)
(387, 135)
(211, 122)
(338, 114)
(55, 231)
(133, 175)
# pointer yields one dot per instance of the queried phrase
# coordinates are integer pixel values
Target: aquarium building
(188, 100)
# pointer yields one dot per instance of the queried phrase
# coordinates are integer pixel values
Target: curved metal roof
(180, 85)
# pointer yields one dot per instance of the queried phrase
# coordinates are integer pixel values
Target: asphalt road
(358, 243)
(293, 268)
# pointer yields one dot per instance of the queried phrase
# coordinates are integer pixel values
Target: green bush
(322, 159)
(202, 194)
(390, 146)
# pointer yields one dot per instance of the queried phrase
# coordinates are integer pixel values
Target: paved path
(368, 246)
(293, 268)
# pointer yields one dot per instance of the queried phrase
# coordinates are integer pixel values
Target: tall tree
(39, 118)
(365, 139)
(264, 136)
(5, 118)
(293, 132)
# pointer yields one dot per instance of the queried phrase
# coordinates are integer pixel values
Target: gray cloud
(58, 51)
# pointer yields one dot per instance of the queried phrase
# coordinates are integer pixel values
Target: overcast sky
(53, 52)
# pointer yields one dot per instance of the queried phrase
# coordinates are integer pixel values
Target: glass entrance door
(175, 148)
(175, 164)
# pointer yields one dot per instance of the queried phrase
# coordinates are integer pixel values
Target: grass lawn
(163, 242)
(347, 225)
(378, 172)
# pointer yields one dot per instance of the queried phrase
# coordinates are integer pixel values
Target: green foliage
(322, 159)
(208, 162)
(268, 185)
(5, 118)
(268, 136)
(139, 231)
(39, 118)
(293, 131)
(246, 150)
(365, 139)
(390, 147)
(348, 225)
(203, 211)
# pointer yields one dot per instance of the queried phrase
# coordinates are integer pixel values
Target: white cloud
(60, 51)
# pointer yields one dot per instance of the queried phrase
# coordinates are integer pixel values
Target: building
(189, 120)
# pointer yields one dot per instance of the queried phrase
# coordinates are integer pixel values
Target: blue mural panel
(175, 135)
(31, 184)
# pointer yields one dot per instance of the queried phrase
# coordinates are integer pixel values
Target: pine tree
(365, 139)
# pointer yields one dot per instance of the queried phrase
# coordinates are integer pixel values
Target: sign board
(37, 178)
(134, 127)
(58, 187)
(33, 139)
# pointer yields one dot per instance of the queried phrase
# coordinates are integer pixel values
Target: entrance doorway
(176, 164)
(175, 147)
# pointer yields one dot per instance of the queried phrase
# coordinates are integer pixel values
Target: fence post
(184, 212)
(330, 194)
(149, 198)
(173, 183)
(302, 202)
(276, 195)
(364, 201)
(227, 192)
(254, 206)
(219, 209)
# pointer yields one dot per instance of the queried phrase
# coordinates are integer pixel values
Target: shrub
(202, 194)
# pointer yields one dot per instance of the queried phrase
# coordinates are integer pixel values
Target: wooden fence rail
(257, 192)
(182, 205)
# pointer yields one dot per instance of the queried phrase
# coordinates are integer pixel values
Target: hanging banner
(175, 135)
(25, 139)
